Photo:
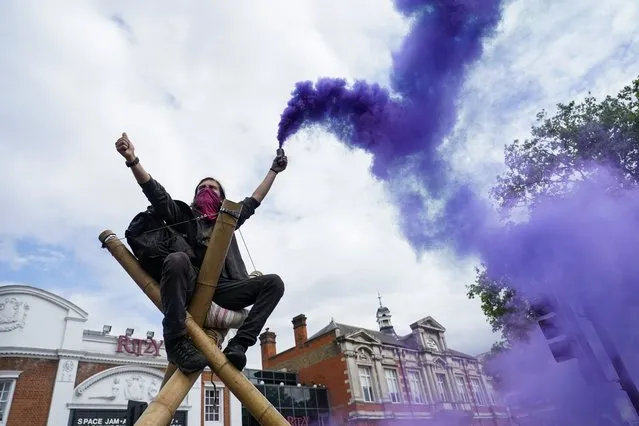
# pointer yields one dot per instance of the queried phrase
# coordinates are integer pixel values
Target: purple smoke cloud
(580, 249)
(405, 130)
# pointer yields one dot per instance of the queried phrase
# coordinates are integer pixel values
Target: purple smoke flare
(581, 249)
(428, 71)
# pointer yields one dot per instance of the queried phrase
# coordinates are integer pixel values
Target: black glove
(279, 164)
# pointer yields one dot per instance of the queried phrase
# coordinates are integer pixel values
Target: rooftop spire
(384, 318)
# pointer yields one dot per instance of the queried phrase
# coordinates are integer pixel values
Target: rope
(192, 220)
(166, 226)
(247, 250)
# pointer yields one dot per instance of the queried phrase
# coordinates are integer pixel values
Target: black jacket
(196, 232)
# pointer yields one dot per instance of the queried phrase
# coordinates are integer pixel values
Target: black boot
(187, 357)
(236, 354)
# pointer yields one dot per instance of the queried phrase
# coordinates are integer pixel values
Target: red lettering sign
(298, 421)
(139, 346)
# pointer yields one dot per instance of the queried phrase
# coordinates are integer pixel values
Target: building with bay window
(55, 372)
(379, 377)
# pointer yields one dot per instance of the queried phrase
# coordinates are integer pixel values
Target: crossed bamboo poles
(176, 385)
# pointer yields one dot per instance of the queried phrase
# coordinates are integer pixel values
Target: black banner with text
(112, 418)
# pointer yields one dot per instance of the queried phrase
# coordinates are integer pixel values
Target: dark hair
(222, 193)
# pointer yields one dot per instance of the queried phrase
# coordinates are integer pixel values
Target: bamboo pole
(211, 267)
(214, 260)
(162, 409)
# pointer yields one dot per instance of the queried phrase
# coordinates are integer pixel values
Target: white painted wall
(236, 411)
(37, 323)
(33, 318)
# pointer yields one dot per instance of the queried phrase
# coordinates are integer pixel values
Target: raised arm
(155, 193)
(278, 166)
(249, 204)
(127, 150)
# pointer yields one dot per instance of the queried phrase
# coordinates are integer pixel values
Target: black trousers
(178, 284)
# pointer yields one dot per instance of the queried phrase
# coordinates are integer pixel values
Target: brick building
(379, 377)
(54, 372)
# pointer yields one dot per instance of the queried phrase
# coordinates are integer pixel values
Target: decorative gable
(363, 337)
(440, 364)
(24, 310)
(428, 323)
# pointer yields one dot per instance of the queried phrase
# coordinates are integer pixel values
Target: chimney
(267, 342)
(299, 330)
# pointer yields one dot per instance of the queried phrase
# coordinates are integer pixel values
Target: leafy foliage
(564, 149)
(505, 311)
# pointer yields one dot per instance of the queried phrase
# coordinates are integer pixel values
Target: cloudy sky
(199, 90)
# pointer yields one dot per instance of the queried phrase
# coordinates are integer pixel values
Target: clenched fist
(279, 164)
(126, 149)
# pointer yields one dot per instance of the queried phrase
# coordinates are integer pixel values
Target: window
(212, 407)
(7, 379)
(286, 396)
(272, 393)
(477, 392)
(366, 380)
(461, 388)
(416, 388)
(393, 385)
(322, 399)
(442, 387)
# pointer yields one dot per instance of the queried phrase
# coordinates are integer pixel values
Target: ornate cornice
(108, 406)
(82, 356)
(121, 360)
(28, 352)
(67, 353)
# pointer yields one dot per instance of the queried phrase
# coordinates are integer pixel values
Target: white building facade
(54, 372)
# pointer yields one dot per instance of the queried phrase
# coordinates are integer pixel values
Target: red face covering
(208, 202)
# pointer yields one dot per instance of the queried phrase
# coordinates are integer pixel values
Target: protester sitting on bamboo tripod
(182, 255)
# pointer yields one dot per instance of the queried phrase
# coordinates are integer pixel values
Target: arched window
(366, 374)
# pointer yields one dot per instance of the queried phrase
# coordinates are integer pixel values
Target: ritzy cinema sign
(139, 347)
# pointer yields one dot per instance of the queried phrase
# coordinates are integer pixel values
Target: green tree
(563, 149)
(505, 311)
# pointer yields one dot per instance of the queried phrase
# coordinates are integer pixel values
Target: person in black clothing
(235, 290)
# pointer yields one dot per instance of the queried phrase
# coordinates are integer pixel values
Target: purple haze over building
(581, 248)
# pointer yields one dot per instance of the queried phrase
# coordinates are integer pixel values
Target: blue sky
(199, 90)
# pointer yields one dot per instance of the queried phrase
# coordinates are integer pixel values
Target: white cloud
(42, 258)
(544, 53)
(199, 90)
